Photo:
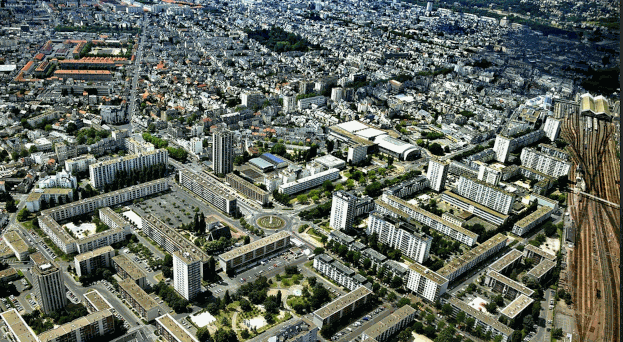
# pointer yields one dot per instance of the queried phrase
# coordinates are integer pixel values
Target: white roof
(352, 126)
(394, 145)
(7, 67)
(370, 133)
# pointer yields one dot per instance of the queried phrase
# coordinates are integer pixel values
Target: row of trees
(124, 179)
(171, 297)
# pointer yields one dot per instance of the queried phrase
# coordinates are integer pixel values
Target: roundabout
(270, 222)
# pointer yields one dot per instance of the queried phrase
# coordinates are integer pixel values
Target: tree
(278, 149)
(446, 335)
(22, 215)
(367, 263)
(302, 198)
(203, 335)
(436, 149)
(396, 282)
(446, 309)
(311, 281)
(330, 144)
(247, 239)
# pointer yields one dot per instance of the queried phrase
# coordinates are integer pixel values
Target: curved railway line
(594, 264)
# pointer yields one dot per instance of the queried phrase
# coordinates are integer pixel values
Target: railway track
(592, 264)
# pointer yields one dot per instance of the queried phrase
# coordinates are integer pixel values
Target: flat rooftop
(175, 329)
(542, 253)
(390, 321)
(517, 306)
(471, 255)
(94, 253)
(510, 283)
(129, 267)
(76, 324)
(428, 274)
(143, 299)
(16, 241)
(18, 326)
(342, 302)
(253, 246)
(475, 204)
(178, 239)
(113, 216)
(543, 267)
(481, 316)
(96, 299)
(508, 258)
(540, 212)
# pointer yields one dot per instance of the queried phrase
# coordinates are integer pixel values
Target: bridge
(599, 199)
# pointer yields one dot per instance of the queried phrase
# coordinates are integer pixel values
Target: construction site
(594, 204)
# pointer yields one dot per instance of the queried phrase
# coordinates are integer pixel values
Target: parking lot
(355, 329)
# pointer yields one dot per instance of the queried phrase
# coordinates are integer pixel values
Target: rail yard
(594, 274)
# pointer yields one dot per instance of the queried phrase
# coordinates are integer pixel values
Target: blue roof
(261, 163)
(273, 158)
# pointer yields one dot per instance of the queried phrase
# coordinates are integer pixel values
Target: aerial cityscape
(310, 170)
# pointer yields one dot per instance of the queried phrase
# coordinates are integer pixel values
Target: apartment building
(506, 286)
(308, 102)
(309, 182)
(505, 145)
(302, 330)
(357, 153)
(552, 128)
(172, 331)
(171, 240)
(507, 262)
(399, 234)
(485, 194)
(486, 321)
(210, 190)
(17, 245)
(541, 270)
(409, 187)
(104, 172)
(554, 151)
(516, 307)
(251, 99)
(84, 75)
(247, 189)
(126, 269)
(437, 174)
(48, 284)
(80, 163)
(396, 207)
(135, 146)
(94, 301)
(114, 220)
(142, 303)
(49, 195)
(537, 254)
(527, 223)
(475, 208)
(187, 270)
(222, 152)
(88, 262)
(390, 325)
(255, 251)
(341, 306)
(342, 210)
(425, 283)
(545, 163)
(109, 199)
(338, 272)
(375, 257)
(18, 328)
(456, 267)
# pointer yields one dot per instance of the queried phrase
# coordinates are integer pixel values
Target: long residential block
(309, 182)
(341, 306)
(473, 257)
(483, 193)
(248, 189)
(543, 162)
(534, 219)
(172, 331)
(139, 300)
(338, 272)
(104, 172)
(253, 252)
(486, 321)
(506, 286)
(390, 203)
(470, 206)
(17, 245)
(210, 190)
(390, 325)
(126, 269)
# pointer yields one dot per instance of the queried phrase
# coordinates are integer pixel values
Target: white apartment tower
(502, 148)
(437, 174)
(485, 194)
(48, 285)
(186, 274)
(223, 152)
(488, 174)
(551, 128)
(400, 235)
(342, 210)
(543, 162)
